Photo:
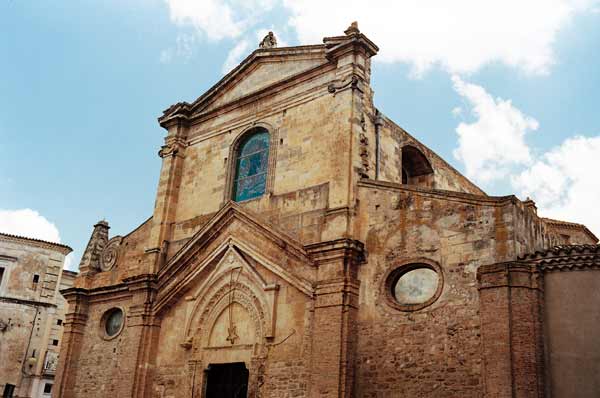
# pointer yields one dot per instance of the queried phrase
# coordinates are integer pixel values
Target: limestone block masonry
(358, 264)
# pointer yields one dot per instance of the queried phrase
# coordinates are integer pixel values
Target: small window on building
(59, 322)
(54, 342)
(47, 388)
(251, 165)
(35, 281)
(112, 322)
(9, 390)
(1, 275)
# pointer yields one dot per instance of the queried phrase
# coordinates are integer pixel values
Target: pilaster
(510, 305)
(146, 327)
(73, 332)
(172, 154)
(335, 313)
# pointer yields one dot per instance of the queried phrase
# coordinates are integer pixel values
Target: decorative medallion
(109, 255)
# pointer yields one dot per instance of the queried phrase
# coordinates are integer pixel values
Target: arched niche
(416, 168)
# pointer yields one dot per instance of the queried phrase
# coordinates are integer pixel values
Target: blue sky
(507, 92)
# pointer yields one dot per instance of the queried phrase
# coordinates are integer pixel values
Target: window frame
(232, 159)
(397, 270)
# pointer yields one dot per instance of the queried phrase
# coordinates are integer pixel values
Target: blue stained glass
(251, 166)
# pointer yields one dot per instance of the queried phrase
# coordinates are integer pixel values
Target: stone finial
(269, 41)
(352, 29)
(90, 261)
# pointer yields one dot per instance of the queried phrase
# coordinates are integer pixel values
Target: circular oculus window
(113, 322)
(414, 286)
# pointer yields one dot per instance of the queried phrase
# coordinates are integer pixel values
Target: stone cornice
(336, 249)
(443, 194)
(215, 225)
(571, 226)
(58, 247)
(512, 274)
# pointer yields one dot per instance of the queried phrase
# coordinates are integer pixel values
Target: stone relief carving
(352, 82)
(173, 146)
(110, 253)
(234, 282)
(269, 41)
(51, 362)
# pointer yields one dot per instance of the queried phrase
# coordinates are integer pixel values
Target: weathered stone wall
(30, 334)
(306, 266)
(106, 367)
(435, 351)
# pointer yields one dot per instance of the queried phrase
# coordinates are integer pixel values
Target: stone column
(73, 332)
(510, 304)
(336, 305)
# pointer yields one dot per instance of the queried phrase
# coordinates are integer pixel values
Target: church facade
(304, 245)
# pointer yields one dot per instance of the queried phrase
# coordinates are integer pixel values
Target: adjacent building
(303, 244)
(32, 314)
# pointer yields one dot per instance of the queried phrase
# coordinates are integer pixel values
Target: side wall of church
(434, 351)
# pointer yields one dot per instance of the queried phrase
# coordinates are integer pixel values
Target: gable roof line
(287, 82)
(282, 239)
(61, 248)
(246, 63)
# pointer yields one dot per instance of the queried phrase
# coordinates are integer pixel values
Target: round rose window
(414, 286)
(113, 322)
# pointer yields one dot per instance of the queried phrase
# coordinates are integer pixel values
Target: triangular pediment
(260, 70)
(260, 75)
(235, 236)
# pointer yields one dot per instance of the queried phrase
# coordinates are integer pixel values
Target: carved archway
(230, 322)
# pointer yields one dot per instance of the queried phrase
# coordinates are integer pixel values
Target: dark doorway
(228, 380)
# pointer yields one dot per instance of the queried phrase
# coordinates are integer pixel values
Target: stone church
(304, 245)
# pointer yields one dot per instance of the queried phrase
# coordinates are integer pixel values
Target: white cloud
(461, 35)
(28, 223)
(563, 182)
(243, 48)
(218, 19)
(494, 143)
(235, 55)
(31, 224)
(184, 49)
(457, 111)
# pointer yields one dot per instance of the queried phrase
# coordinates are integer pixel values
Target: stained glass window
(251, 166)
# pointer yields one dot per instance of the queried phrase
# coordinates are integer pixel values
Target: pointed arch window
(252, 159)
